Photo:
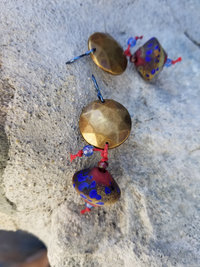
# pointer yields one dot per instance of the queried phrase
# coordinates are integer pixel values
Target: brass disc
(109, 55)
(105, 122)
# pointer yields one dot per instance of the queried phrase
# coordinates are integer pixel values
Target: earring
(106, 53)
(104, 124)
(150, 58)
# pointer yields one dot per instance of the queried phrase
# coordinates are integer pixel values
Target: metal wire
(98, 90)
(85, 54)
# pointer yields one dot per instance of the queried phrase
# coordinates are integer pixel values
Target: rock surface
(156, 222)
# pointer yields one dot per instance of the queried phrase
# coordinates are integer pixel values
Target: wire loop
(98, 90)
(85, 54)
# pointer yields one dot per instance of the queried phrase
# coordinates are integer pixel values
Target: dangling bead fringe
(104, 153)
(131, 43)
(86, 209)
(170, 62)
(79, 154)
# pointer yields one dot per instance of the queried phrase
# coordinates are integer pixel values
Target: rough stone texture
(6, 207)
(156, 223)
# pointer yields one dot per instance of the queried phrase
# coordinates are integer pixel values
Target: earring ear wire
(99, 95)
(83, 55)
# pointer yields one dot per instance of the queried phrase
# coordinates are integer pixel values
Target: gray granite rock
(156, 222)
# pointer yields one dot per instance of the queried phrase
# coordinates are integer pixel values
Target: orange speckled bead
(149, 59)
(96, 187)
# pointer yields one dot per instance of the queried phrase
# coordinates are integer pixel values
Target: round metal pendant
(105, 122)
(109, 55)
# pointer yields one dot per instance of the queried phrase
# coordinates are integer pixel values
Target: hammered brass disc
(109, 55)
(105, 122)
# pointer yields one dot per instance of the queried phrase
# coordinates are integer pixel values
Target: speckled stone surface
(156, 221)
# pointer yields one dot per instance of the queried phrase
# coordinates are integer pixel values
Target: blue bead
(88, 150)
(168, 63)
(88, 205)
(147, 75)
(150, 45)
(131, 41)
(153, 71)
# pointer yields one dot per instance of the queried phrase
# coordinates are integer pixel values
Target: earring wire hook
(98, 90)
(85, 54)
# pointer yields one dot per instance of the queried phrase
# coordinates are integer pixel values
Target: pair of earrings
(107, 54)
(105, 123)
